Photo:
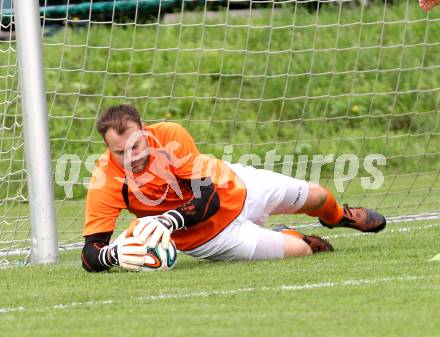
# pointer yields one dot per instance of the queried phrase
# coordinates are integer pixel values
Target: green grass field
(372, 285)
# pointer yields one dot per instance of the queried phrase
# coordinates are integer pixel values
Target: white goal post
(345, 93)
(44, 246)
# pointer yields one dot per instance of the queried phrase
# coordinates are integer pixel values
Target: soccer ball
(159, 258)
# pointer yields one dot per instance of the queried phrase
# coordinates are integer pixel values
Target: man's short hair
(117, 117)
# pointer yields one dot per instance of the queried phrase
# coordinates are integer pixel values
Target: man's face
(135, 158)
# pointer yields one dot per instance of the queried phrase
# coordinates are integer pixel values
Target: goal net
(344, 93)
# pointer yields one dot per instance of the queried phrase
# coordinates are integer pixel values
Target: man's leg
(276, 245)
(273, 193)
(287, 242)
(321, 203)
(245, 240)
(295, 246)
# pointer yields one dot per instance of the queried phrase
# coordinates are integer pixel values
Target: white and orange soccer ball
(159, 258)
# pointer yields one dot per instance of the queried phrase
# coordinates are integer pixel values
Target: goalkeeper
(210, 208)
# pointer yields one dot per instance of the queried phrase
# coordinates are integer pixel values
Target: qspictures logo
(164, 160)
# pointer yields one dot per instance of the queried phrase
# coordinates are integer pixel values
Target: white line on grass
(6, 310)
(230, 292)
(388, 231)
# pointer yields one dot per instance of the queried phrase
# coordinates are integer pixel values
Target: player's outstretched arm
(204, 204)
(126, 252)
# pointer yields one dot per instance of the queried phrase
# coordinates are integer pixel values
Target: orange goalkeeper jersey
(159, 188)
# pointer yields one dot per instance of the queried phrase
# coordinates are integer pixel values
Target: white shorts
(267, 193)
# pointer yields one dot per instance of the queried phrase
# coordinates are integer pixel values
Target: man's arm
(202, 206)
(126, 252)
(95, 254)
(191, 168)
(103, 207)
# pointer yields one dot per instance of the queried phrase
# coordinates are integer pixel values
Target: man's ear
(103, 138)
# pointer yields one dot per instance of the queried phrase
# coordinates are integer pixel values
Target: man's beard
(138, 165)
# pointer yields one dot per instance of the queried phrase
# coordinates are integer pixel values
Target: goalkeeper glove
(125, 252)
(159, 228)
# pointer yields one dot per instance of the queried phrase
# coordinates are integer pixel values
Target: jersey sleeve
(200, 207)
(94, 254)
(102, 209)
